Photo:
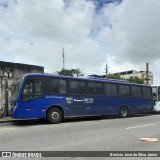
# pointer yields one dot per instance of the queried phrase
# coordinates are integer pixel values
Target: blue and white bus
(57, 97)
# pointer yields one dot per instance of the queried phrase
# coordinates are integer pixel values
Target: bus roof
(87, 79)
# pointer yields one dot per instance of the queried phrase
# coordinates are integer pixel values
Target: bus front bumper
(15, 113)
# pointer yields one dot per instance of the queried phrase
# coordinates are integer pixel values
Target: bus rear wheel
(123, 113)
(54, 115)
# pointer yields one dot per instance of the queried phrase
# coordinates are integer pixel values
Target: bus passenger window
(77, 87)
(146, 92)
(110, 89)
(92, 89)
(136, 91)
(32, 89)
(95, 88)
(124, 91)
(58, 86)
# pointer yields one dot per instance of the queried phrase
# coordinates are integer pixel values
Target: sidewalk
(7, 119)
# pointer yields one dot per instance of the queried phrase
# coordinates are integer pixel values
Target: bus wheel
(54, 115)
(123, 113)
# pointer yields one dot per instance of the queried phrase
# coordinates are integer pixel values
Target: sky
(124, 34)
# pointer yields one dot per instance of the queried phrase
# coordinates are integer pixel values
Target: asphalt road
(89, 134)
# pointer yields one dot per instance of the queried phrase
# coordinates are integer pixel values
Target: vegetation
(78, 73)
(71, 72)
(136, 80)
(131, 79)
(113, 76)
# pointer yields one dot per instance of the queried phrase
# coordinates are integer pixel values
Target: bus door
(32, 99)
(76, 100)
(78, 105)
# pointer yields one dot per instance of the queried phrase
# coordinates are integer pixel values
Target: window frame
(124, 95)
(143, 92)
(98, 95)
(33, 79)
(140, 91)
(75, 80)
(111, 89)
(48, 81)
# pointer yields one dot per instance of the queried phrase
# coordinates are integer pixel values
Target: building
(11, 72)
(133, 73)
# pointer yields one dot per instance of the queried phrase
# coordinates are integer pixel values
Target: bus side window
(110, 89)
(146, 92)
(32, 89)
(136, 91)
(124, 90)
(95, 88)
(77, 87)
(58, 86)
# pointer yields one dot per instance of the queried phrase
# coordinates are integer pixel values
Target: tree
(113, 76)
(77, 72)
(72, 72)
(136, 80)
(131, 79)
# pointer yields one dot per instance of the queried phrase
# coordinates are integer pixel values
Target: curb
(4, 120)
(7, 120)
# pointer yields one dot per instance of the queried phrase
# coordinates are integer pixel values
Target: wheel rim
(55, 115)
(124, 112)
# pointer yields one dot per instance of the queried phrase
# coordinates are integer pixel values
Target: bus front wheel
(123, 113)
(54, 115)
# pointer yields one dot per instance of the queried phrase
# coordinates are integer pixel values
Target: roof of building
(125, 72)
(19, 64)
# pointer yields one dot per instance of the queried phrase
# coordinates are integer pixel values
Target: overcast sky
(124, 34)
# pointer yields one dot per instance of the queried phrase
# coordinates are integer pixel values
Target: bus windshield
(15, 88)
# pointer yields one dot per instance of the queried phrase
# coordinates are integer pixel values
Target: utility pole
(106, 69)
(63, 58)
(147, 73)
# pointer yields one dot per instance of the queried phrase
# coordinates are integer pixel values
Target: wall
(11, 72)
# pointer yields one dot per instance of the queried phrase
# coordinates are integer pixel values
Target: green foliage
(71, 72)
(131, 79)
(136, 80)
(113, 76)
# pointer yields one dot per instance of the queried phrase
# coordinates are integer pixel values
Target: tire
(123, 113)
(54, 115)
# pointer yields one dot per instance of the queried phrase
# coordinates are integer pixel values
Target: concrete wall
(11, 72)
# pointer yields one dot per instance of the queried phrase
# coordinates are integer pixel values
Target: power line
(58, 47)
(69, 59)
(49, 55)
(88, 24)
(68, 31)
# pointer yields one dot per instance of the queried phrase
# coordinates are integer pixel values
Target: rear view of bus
(156, 97)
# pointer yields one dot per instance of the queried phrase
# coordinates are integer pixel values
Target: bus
(156, 97)
(54, 98)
